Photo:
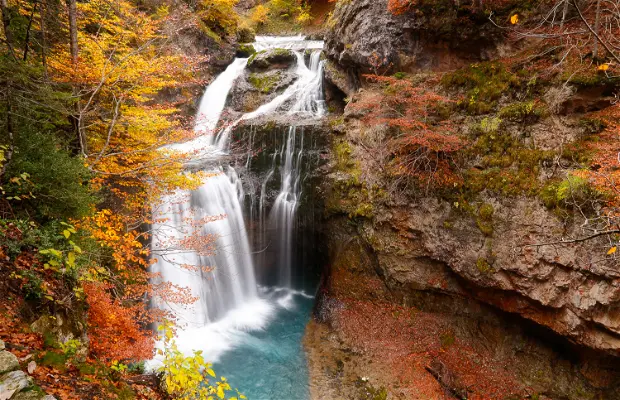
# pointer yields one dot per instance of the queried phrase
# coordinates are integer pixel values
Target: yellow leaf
(612, 250)
(603, 67)
(514, 19)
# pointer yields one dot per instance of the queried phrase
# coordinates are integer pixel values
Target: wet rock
(245, 50)
(14, 381)
(8, 362)
(338, 77)
(252, 89)
(271, 59)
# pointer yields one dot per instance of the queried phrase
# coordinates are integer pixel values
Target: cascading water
(283, 213)
(232, 309)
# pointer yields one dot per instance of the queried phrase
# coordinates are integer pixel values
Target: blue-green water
(269, 363)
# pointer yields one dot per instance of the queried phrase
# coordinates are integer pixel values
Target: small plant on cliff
(423, 142)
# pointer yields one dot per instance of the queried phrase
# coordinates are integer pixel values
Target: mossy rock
(485, 219)
(270, 59)
(245, 50)
(264, 82)
(484, 267)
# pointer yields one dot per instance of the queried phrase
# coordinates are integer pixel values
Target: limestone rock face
(429, 246)
(8, 362)
(365, 35)
(14, 381)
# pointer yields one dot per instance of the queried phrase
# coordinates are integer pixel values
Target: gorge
(309, 199)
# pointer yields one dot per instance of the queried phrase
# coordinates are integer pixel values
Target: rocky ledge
(14, 383)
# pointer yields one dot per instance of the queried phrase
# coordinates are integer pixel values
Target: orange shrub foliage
(424, 142)
(398, 7)
(114, 333)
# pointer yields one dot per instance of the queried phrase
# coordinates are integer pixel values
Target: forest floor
(56, 371)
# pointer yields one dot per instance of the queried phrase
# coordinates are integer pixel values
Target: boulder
(271, 59)
(245, 50)
(14, 381)
(364, 35)
(252, 89)
(8, 362)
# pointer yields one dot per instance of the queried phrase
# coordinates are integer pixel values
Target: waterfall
(200, 239)
(282, 218)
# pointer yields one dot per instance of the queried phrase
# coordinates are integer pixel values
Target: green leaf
(67, 233)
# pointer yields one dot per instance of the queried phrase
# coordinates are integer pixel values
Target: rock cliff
(501, 257)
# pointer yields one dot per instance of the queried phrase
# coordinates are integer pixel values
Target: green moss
(53, 359)
(264, 83)
(253, 56)
(245, 50)
(400, 75)
(483, 266)
(592, 125)
(342, 150)
(350, 195)
(245, 34)
(484, 84)
(485, 219)
(525, 111)
(572, 191)
(505, 165)
(588, 77)
(364, 210)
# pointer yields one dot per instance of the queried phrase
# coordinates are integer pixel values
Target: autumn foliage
(114, 332)
(80, 87)
(423, 142)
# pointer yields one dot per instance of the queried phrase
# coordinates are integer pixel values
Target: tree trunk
(27, 40)
(6, 22)
(42, 14)
(72, 7)
(597, 23)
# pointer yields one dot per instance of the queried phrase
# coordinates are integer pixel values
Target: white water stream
(230, 302)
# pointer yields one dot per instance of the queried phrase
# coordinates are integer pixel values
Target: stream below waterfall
(252, 309)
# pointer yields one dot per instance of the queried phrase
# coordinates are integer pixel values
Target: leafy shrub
(59, 181)
(188, 377)
(260, 14)
(219, 16)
